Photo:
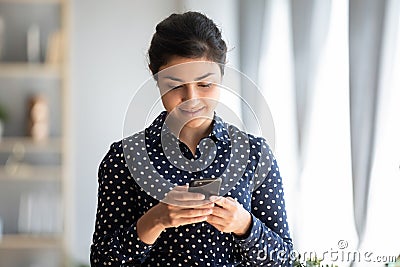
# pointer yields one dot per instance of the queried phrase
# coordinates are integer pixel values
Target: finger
(181, 188)
(232, 199)
(223, 202)
(216, 221)
(218, 227)
(173, 197)
(184, 221)
(187, 196)
(180, 206)
(172, 194)
(193, 213)
(206, 206)
(215, 198)
(188, 204)
(221, 212)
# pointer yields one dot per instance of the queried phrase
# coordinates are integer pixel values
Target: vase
(1, 129)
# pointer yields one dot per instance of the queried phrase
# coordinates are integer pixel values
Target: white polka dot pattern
(121, 202)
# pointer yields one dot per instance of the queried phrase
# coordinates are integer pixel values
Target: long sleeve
(115, 240)
(268, 242)
(122, 201)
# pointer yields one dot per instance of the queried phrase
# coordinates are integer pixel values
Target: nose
(190, 92)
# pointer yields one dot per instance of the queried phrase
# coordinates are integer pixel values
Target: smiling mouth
(192, 112)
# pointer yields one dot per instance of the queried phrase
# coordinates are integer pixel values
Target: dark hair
(191, 35)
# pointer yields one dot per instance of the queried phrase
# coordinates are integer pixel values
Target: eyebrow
(198, 78)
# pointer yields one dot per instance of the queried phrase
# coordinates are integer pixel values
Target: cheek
(216, 94)
(212, 98)
(170, 101)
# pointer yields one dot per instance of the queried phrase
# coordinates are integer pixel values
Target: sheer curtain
(366, 19)
(276, 80)
(322, 191)
(329, 72)
(326, 180)
(382, 232)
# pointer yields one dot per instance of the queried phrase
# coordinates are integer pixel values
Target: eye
(172, 87)
(205, 85)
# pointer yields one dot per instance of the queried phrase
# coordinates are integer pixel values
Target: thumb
(224, 202)
(231, 199)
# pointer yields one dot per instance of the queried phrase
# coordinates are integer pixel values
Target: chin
(197, 122)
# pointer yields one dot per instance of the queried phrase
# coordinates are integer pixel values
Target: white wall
(225, 14)
(108, 63)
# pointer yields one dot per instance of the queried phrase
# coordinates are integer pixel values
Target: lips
(192, 111)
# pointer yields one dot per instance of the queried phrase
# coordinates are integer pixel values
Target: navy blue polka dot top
(122, 200)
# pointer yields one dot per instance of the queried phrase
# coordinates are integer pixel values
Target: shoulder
(114, 160)
(114, 154)
(257, 144)
(117, 147)
(261, 145)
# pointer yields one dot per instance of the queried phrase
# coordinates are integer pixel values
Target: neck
(191, 136)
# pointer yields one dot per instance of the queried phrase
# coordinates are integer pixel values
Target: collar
(219, 129)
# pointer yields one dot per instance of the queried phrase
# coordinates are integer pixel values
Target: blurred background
(328, 69)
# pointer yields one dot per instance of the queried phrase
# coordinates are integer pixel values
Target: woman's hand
(179, 207)
(229, 216)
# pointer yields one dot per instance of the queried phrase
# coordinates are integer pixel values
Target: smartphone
(208, 187)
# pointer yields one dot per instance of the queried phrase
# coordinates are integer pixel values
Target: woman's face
(189, 90)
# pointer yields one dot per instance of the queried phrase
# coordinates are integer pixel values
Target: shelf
(31, 1)
(34, 70)
(30, 173)
(35, 191)
(29, 145)
(20, 241)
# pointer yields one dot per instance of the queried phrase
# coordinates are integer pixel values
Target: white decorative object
(54, 48)
(1, 228)
(39, 118)
(33, 44)
(1, 129)
(40, 213)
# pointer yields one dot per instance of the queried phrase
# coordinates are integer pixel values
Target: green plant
(72, 263)
(311, 263)
(3, 114)
(394, 264)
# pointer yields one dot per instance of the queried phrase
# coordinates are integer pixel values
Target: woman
(247, 226)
